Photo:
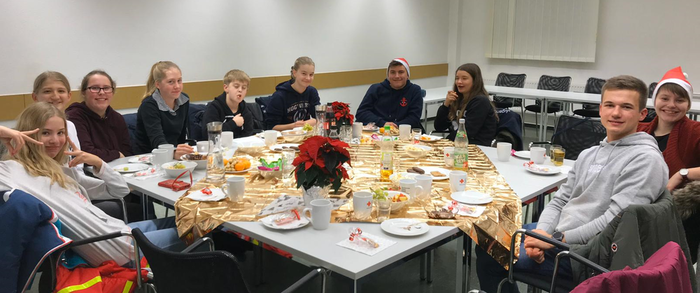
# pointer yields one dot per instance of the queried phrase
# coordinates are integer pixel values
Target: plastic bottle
(387, 156)
(461, 155)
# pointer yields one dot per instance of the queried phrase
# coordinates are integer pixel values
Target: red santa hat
(678, 77)
(405, 64)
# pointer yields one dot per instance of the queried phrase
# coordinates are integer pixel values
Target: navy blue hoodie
(383, 104)
(287, 105)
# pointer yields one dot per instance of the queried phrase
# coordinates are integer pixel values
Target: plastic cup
(503, 150)
(362, 204)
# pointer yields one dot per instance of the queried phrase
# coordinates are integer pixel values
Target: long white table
(319, 247)
(437, 95)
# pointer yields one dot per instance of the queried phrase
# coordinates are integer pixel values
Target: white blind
(556, 30)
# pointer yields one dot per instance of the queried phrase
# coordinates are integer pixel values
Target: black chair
(509, 80)
(130, 120)
(593, 86)
(509, 129)
(196, 115)
(258, 119)
(576, 134)
(550, 83)
(651, 113)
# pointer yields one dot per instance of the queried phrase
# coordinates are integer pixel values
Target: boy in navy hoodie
(230, 103)
(394, 101)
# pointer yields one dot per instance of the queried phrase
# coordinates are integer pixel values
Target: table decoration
(319, 166)
(364, 242)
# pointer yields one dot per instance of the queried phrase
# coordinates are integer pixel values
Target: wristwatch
(684, 173)
(558, 236)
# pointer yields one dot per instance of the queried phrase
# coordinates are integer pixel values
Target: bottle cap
(461, 120)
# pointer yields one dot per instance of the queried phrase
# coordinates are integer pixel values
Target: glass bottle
(321, 120)
(461, 155)
(387, 156)
(329, 118)
(215, 158)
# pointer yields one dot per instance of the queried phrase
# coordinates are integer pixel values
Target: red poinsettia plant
(342, 113)
(320, 163)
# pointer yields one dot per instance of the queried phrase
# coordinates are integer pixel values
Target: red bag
(175, 184)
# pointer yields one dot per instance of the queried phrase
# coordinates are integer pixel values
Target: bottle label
(386, 161)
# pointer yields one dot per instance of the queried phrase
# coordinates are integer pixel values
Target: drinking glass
(558, 154)
(288, 156)
(551, 152)
(383, 209)
(416, 133)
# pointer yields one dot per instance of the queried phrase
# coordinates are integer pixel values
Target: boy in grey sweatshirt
(626, 168)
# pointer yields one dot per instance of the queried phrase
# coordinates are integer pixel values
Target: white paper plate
(129, 168)
(262, 134)
(367, 128)
(472, 197)
(543, 170)
(282, 146)
(396, 227)
(441, 170)
(522, 154)
(429, 138)
(145, 159)
(269, 222)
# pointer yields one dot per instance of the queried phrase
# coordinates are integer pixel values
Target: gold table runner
(492, 230)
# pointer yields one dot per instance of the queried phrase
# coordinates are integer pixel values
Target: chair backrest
(130, 120)
(510, 128)
(214, 271)
(594, 85)
(554, 83)
(577, 134)
(509, 80)
(651, 113)
(196, 114)
(258, 118)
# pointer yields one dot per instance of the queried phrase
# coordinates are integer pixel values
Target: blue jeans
(161, 232)
(490, 272)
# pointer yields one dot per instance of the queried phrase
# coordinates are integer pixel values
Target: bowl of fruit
(398, 198)
(199, 158)
(270, 169)
(174, 169)
(240, 164)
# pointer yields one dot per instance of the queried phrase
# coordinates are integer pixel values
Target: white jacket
(80, 218)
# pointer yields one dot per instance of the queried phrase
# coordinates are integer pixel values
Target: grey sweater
(606, 179)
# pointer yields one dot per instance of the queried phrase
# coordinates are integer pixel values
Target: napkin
(145, 174)
(365, 248)
(287, 202)
(469, 210)
(216, 195)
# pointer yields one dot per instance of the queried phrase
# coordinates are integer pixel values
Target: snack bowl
(251, 147)
(397, 205)
(267, 173)
(174, 169)
(417, 151)
(294, 135)
(199, 158)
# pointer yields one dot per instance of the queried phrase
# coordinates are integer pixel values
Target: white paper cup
(170, 148)
(203, 146)
(362, 204)
(449, 156)
(320, 213)
(270, 137)
(458, 181)
(226, 139)
(160, 157)
(503, 149)
(411, 187)
(426, 183)
(405, 131)
(357, 130)
(537, 154)
(236, 187)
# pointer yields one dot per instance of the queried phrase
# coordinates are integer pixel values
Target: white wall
(207, 38)
(643, 38)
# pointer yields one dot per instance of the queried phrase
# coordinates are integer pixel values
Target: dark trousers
(490, 272)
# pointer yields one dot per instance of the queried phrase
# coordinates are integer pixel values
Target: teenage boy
(394, 101)
(230, 107)
(626, 168)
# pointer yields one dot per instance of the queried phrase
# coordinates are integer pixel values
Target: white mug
(320, 213)
(171, 150)
(236, 187)
(537, 154)
(160, 157)
(449, 156)
(405, 131)
(425, 182)
(270, 137)
(362, 204)
(357, 130)
(226, 139)
(458, 181)
(410, 186)
(503, 150)
(203, 146)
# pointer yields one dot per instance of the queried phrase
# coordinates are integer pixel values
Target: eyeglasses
(97, 89)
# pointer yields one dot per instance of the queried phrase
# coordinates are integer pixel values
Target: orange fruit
(240, 166)
(381, 130)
